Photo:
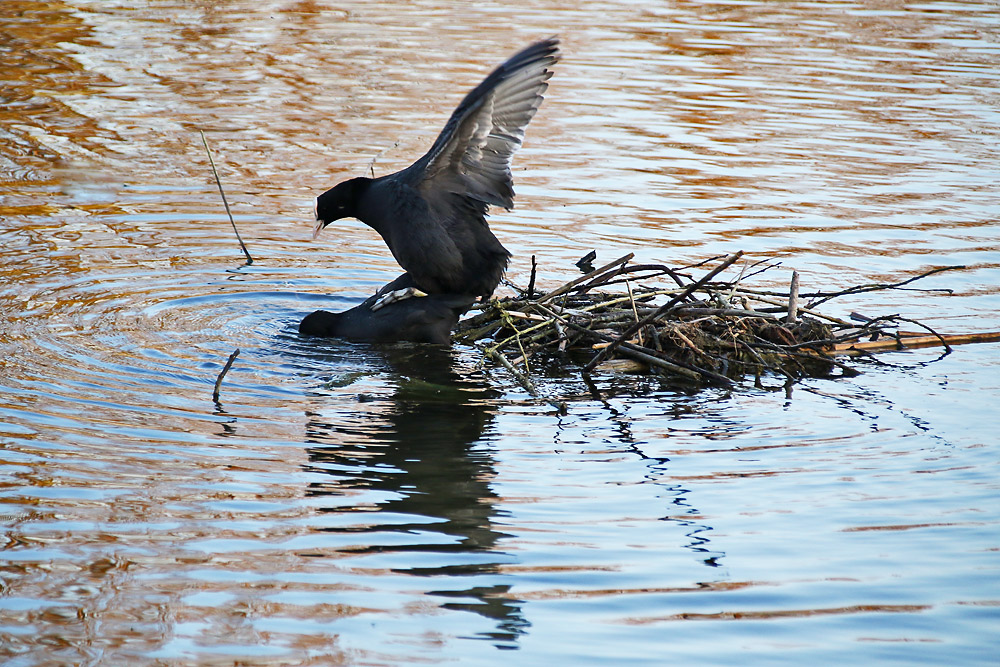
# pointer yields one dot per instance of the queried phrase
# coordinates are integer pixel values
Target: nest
(651, 318)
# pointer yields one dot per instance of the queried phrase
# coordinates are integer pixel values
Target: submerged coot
(425, 319)
(432, 214)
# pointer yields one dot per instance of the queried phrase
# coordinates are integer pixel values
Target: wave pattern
(343, 504)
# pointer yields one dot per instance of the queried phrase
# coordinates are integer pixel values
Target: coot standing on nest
(423, 319)
(432, 214)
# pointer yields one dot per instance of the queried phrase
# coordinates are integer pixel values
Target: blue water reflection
(409, 476)
(349, 504)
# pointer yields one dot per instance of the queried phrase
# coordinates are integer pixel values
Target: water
(344, 504)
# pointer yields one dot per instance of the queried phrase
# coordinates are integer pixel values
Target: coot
(426, 319)
(432, 214)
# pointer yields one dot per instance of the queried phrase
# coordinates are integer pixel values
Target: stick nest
(653, 318)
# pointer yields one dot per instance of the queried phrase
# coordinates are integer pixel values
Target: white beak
(319, 223)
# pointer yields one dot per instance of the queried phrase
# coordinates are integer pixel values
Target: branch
(224, 202)
(600, 356)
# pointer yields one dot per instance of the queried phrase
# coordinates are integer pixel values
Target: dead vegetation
(651, 318)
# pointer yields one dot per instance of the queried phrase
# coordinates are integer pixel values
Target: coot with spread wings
(432, 214)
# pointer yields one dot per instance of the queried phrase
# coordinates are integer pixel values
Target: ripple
(346, 503)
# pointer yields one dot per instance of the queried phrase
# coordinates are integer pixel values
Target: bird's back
(427, 319)
(440, 238)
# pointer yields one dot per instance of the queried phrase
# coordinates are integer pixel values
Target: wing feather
(472, 155)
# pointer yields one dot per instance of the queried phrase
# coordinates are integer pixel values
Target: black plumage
(423, 319)
(432, 214)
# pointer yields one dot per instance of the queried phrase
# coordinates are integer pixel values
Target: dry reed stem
(224, 202)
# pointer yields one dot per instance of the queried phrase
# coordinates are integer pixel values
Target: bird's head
(321, 323)
(340, 201)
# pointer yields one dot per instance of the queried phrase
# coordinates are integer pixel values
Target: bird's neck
(371, 204)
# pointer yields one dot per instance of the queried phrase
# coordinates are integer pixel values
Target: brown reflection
(701, 587)
(910, 526)
(785, 613)
(37, 127)
(413, 460)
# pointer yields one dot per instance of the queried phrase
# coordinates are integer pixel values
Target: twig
(768, 267)
(793, 299)
(671, 367)
(881, 286)
(531, 281)
(224, 202)
(835, 342)
(812, 355)
(655, 269)
(646, 355)
(732, 312)
(676, 331)
(522, 378)
(639, 354)
(509, 321)
(526, 316)
(909, 342)
(763, 365)
(225, 369)
(756, 296)
(561, 337)
(701, 263)
(576, 281)
(635, 313)
(732, 286)
(603, 279)
(941, 338)
(371, 165)
(600, 356)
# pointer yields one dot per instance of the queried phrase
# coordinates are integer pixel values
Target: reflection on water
(344, 504)
(414, 486)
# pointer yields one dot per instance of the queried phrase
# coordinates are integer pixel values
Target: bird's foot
(398, 295)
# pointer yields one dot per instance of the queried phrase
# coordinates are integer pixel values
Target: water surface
(344, 504)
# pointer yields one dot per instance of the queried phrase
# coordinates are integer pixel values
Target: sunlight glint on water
(349, 505)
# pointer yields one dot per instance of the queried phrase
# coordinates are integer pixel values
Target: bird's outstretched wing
(471, 156)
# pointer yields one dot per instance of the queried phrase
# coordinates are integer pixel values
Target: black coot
(432, 214)
(426, 319)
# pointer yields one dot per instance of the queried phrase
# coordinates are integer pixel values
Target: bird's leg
(398, 295)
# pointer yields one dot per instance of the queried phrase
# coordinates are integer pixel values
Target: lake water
(344, 504)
